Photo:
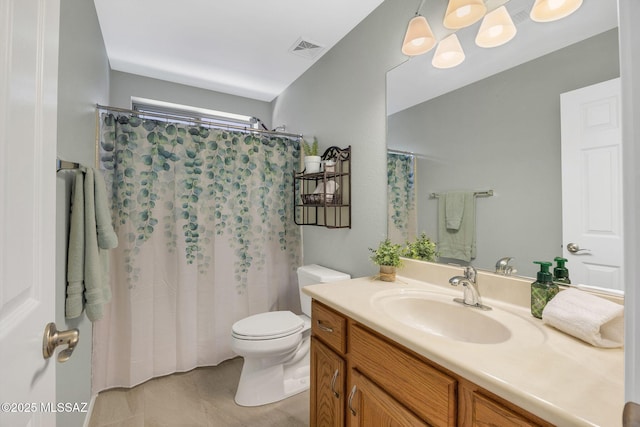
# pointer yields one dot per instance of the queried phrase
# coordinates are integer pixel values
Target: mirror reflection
(500, 133)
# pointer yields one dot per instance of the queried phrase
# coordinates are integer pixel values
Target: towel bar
(487, 193)
(65, 165)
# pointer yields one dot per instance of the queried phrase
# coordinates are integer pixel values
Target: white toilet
(275, 346)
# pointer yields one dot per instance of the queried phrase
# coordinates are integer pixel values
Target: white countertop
(544, 371)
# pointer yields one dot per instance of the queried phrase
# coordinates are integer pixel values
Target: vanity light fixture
(496, 29)
(419, 38)
(449, 53)
(552, 10)
(462, 13)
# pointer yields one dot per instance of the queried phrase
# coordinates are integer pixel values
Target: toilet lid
(273, 324)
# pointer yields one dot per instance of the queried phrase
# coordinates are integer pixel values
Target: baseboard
(87, 418)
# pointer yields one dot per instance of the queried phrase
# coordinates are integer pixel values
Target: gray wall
(125, 85)
(503, 133)
(83, 81)
(341, 100)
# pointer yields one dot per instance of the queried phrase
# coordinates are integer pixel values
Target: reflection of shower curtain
(402, 218)
(204, 217)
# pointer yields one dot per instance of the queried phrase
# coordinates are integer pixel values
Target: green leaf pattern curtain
(401, 197)
(205, 221)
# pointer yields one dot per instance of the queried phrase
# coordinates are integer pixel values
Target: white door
(592, 184)
(28, 114)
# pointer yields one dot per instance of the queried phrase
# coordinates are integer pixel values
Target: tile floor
(202, 397)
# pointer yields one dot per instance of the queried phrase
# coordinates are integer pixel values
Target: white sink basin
(438, 314)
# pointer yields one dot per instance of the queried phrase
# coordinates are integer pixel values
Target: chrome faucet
(503, 267)
(470, 284)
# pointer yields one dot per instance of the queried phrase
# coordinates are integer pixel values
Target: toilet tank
(313, 274)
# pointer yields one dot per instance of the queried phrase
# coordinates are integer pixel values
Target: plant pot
(312, 164)
(387, 273)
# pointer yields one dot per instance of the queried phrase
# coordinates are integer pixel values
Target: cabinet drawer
(329, 326)
(425, 390)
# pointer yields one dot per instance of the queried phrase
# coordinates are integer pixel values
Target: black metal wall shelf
(324, 198)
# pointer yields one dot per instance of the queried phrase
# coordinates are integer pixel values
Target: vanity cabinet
(327, 386)
(324, 198)
(328, 367)
(423, 389)
(371, 406)
(478, 409)
(389, 385)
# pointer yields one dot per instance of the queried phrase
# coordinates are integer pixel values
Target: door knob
(53, 338)
(575, 249)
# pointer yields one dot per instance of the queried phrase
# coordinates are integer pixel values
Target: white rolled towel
(598, 321)
(331, 187)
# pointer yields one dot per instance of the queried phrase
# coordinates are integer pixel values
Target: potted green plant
(311, 158)
(422, 248)
(387, 256)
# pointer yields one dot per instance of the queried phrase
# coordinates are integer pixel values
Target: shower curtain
(402, 217)
(205, 223)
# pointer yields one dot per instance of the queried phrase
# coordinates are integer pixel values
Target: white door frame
(629, 35)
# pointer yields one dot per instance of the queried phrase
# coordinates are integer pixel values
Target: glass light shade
(552, 10)
(496, 29)
(448, 53)
(419, 38)
(462, 13)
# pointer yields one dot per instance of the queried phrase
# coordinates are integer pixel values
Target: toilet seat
(266, 326)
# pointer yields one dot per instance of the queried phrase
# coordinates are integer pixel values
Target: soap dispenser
(542, 290)
(560, 273)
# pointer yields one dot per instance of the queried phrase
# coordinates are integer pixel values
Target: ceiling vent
(306, 49)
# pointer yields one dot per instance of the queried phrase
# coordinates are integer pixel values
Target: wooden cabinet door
(478, 408)
(370, 406)
(488, 413)
(327, 386)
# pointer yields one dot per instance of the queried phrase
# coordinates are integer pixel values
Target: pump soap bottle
(560, 273)
(542, 290)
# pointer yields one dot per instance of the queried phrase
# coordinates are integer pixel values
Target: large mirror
(493, 124)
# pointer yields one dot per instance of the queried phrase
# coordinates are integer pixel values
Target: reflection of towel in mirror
(588, 317)
(453, 209)
(458, 243)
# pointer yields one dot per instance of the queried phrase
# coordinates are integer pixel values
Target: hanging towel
(458, 243)
(91, 237)
(590, 318)
(453, 209)
(75, 257)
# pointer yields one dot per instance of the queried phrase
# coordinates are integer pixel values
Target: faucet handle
(503, 267)
(470, 273)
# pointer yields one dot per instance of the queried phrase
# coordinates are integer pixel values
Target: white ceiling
(240, 47)
(416, 80)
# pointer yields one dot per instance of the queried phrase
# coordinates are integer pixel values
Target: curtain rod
(196, 121)
(408, 153)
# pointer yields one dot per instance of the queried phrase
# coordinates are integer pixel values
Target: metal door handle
(323, 327)
(333, 384)
(349, 404)
(574, 248)
(53, 338)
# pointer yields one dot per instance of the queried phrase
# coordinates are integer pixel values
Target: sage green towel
(91, 237)
(454, 203)
(461, 243)
(75, 257)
